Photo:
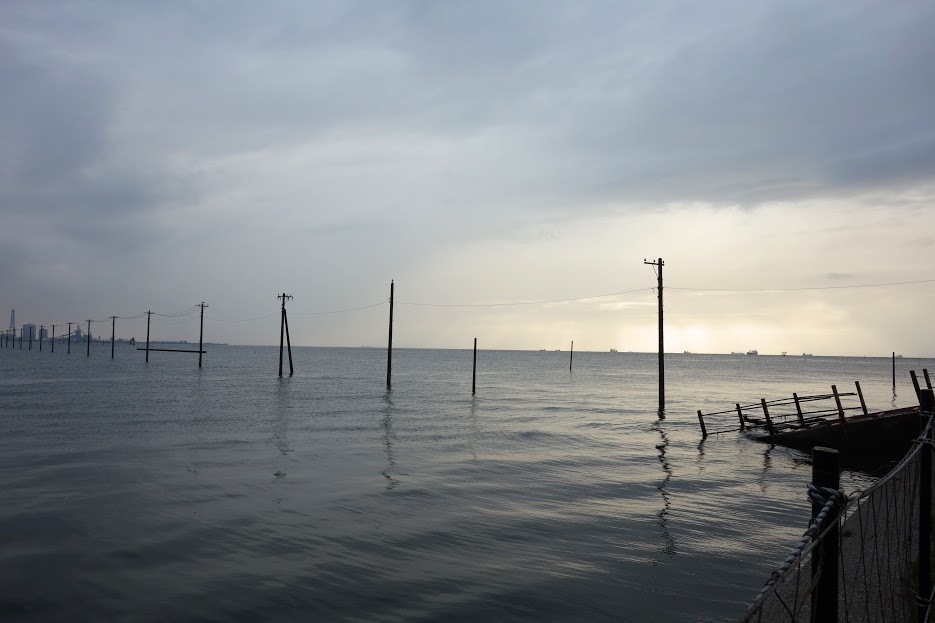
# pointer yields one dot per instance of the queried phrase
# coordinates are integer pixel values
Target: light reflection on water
(162, 491)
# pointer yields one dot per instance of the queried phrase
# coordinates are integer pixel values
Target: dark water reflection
(161, 492)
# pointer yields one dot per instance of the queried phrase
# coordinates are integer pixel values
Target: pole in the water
(42, 328)
(89, 337)
(285, 316)
(474, 372)
(201, 333)
(30, 338)
(571, 357)
(657, 266)
(894, 370)
(282, 332)
(113, 335)
(69, 339)
(53, 338)
(389, 346)
(149, 315)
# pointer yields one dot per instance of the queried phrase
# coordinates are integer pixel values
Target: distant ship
(613, 350)
(783, 354)
(735, 353)
(806, 354)
(686, 352)
(752, 352)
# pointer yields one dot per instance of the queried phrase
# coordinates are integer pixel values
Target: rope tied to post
(828, 498)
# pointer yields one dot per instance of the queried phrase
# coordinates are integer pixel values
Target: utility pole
(69, 339)
(284, 332)
(53, 338)
(30, 338)
(571, 356)
(41, 329)
(201, 332)
(89, 337)
(113, 334)
(149, 315)
(657, 267)
(389, 347)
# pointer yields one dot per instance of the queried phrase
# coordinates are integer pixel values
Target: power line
(578, 298)
(804, 289)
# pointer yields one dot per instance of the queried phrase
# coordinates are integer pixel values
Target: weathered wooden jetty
(820, 420)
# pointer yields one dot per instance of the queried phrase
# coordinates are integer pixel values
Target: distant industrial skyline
(159, 155)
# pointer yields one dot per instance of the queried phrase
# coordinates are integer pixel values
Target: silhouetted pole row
(389, 346)
(571, 357)
(474, 372)
(657, 265)
(283, 326)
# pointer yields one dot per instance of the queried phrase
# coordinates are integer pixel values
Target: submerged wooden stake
(860, 394)
(769, 422)
(740, 415)
(798, 409)
(837, 401)
(704, 431)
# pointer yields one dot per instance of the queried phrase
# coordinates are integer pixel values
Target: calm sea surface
(133, 491)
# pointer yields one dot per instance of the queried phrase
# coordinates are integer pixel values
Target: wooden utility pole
(657, 266)
(474, 372)
(149, 315)
(389, 346)
(283, 332)
(69, 339)
(89, 337)
(113, 334)
(571, 357)
(201, 333)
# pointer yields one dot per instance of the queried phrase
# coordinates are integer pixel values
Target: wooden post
(925, 374)
(662, 368)
(769, 422)
(798, 409)
(474, 372)
(571, 356)
(42, 327)
(837, 401)
(69, 338)
(743, 424)
(89, 337)
(894, 369)
(53, 338)
(825, 473)
(30, 338)
(925, 506)
(285, 316)
(915, 382)
(389, 345)
(113, 335)
(149, 315)
(704, 431)
(282, 330)
(201, 333)
(860, 394)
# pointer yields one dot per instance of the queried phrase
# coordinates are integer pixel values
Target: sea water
(139, 491)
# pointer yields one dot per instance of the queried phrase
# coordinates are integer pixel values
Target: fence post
(860, 394)
(915, 382)
(798, 409)
(769, 422)
(743, 426)
(837, 401)
(925, 507)
(825, 473)
(704, 431)
(928, 381)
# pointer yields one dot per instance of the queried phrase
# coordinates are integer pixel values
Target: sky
(775, 154)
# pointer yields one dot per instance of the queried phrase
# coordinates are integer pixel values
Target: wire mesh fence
(876, 561)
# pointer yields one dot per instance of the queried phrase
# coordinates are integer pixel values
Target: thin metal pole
(89, 337)
(474, 372)
(42, 327)
(662, 369)
(282, 329)
(53, 338)
(30, 338)
(571, 356)
(826, 473)
(389, 346)
(113, 334)
(925, 507)
(69, 339)
(894, 370)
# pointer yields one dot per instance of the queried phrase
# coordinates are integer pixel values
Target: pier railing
(866, 556)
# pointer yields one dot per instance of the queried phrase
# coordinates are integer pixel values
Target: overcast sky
(157, 154)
